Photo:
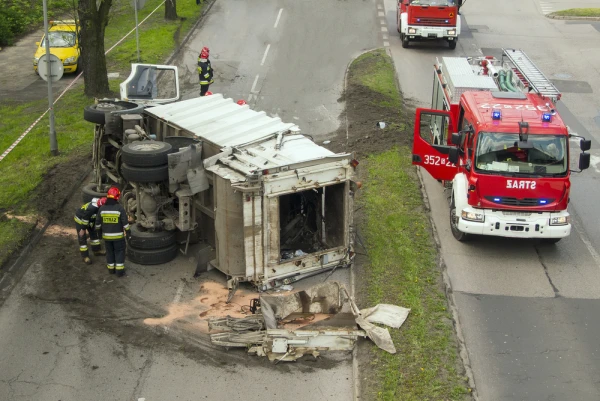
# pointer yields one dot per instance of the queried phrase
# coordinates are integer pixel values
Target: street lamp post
(53, 142)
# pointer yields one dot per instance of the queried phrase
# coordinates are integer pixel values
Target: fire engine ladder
(528, 72)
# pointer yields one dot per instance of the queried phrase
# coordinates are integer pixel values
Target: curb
(569, 17)
(462, 348)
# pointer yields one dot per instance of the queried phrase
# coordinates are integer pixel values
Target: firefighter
(85, 218)
(205, 71)
(112, 222)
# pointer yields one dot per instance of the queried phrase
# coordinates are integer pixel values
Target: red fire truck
(428, 19)
(494, 139)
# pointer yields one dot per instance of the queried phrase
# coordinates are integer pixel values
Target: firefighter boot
(87, 260)
(100, 253)
(121, 273)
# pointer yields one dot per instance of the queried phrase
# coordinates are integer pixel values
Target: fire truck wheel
(452, 44)
(91, 191)
(146, 153)
(155, 256)
(95, 113)
(145, 174)
(404, 40)
(143, 239)
(550, 240)
(458, 235)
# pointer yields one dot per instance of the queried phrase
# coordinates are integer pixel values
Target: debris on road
(321, 318)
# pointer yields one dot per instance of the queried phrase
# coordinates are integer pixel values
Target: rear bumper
(515, 224)
(417, 32)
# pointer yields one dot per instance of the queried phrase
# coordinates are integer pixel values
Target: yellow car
(64, 44)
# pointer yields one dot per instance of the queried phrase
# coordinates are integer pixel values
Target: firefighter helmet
(113, 193)
(101, 202)
(206, 49)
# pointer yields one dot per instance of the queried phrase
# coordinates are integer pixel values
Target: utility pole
(137, 35)
(53, 143)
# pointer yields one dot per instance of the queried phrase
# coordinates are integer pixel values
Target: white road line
(278, 16)
(254, 84)
(382, 22)
(380, 14)
(379, 7)
(384, 29)
(265, 55)
(587, 243)
(384, 37)
(386, 44)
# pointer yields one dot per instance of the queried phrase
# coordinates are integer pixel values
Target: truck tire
(452, 44)
(142, 239)
(155, 256)
(91, 191)
(95, 113)
(145, 174)
(146, 153)
(550, 241)
(404, 40)
(458, 235)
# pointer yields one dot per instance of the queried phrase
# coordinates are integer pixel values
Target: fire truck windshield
(544, 155)
(439, 3)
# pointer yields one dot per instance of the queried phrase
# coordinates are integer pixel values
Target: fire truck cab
(428, 19)
(494, 139)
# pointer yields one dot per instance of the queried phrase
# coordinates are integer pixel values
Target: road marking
(176, 299)
(385, 37)
(386, 43)
(254, 84)
(384, 29)
(587, 243)
(379, 7)
(380, 14)
(265, 55)
(382, 22)
(278, 16)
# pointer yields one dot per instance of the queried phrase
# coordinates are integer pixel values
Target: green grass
(24, 168)
(578, 12)
(402, 265)
(403, 271)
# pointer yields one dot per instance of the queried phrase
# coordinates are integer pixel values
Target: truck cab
(428, 20)
(503, 154)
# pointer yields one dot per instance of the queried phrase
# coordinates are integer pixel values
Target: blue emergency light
(496, 114)
(418, 19)
(543, 201)
(547, 117)
(497, 199)
(446, 21)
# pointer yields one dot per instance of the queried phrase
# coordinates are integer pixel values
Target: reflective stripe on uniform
(110, 267)
(83, 248)
(82, 222)
(120, 266)
(95, 242)
(112, 235)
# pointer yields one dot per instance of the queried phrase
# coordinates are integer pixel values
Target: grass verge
(401, 267)
(24, 169)
(578, 12)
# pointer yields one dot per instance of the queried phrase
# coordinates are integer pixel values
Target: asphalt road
(291, 57)
(528, 312)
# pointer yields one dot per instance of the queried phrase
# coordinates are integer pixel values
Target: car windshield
(543, 155)
(433, 2)
(60, 39)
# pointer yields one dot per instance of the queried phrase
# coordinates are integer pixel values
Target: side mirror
(585, 144)
(457, 139)
(584, 160)
(453, 154)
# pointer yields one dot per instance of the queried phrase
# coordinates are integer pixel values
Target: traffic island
(397, 259)
(590, 14)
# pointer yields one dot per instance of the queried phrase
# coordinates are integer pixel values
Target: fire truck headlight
(412, 31)
(452, 32)
(560, 221)
(472, 216)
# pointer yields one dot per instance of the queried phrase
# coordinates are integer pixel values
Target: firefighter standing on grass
(112, 222)
(85, 218)
(205, 71)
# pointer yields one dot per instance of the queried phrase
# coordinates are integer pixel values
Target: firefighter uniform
(112, 222)
(205, 73)
(85, 218)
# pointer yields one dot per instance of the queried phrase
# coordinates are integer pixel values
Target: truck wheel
(452, 44)
(550, 240)
(404, 40)
(145, 174)
(91, 191)
(95, 113)
(146, 153)
(398, 24)
(458, 235)
(142, 239)
(155, 256)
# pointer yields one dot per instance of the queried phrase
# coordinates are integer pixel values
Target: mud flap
(432, 128)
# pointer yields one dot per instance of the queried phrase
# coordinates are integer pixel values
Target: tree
(171, 9)
(93, 18)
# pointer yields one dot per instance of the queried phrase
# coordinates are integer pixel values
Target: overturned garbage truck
(274, 205)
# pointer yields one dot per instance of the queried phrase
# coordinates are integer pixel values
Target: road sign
(56, 68)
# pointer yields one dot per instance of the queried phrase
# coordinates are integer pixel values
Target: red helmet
(113, 193)
(101, 202)
(203, 54)
(206, 50)
(241, 102)
(208, 93)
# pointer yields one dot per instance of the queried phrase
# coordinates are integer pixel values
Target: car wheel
(96, 112)
(452, 44)
(404, 40)
(458, 235)
(91, 191)
(145, 174)
(146, 153)
(155, 256)
(143, 239)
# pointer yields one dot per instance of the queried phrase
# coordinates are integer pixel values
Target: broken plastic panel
(151, 84)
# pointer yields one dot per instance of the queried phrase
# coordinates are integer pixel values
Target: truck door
(151, 84)
(433, 157)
